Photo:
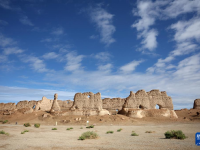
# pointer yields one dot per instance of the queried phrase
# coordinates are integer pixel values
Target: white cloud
(148, 11)
(47, 40)
(187, 35)
(51, 55)
(187, 30)
(25, 20)
(103, 20)
(149, 41)
(36, 63)
(12, 50)
(103, 56)
(189, 68)
(106, 67)
(94, 36)
(178, 7)
(58, 31)
(130, 67)
(5, 4)
(2, 22)
(3, 58)
(4, 41)
(73, 61)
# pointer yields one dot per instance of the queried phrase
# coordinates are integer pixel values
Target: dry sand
(44, 138)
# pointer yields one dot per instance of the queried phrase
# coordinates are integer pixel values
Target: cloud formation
(103, 20)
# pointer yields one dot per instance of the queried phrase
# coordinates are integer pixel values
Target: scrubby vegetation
(150, 132)
(175, 134)
(37, 125)
(109, 132)
(88, 135)
(119, 130)
(27, 124)
(23, 132)
(81, 128)
(5, 121)
(134, 134)
(3, 132)
(54, 128)
(92, 126)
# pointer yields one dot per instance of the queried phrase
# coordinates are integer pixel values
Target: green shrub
(5, 121)
(134, 134)
(175, 134)
(23, 132)
(81, 138)
(68, 128)
(71, 128)
(37, 125)
(26, 130)
(81, 128)
(119, 130)
(92, 126)
(109, 132)
(2, 132)
(7, 134)
(27, 124)
(54, 128)
(88, 135)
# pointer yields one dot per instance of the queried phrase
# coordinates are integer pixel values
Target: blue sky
(107, 46)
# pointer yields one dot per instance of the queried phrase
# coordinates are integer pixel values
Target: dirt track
(44, 138)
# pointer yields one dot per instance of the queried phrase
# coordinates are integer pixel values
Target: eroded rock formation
(55, 107)
(196, 104)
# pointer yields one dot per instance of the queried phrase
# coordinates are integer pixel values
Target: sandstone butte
(137, 105)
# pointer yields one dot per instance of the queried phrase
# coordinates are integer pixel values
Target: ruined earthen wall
(44, 105)
(7, 106)
(148, 100)
(67, 104)
(87, 101)
(113, 103)
(26, 104)
(196, 104)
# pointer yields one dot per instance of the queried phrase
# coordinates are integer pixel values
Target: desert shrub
(150, 132)
(54, 128)
(175, 134)
(92, 126)
(7, 134)
(2, 132)
(68, 128)
(108, 132)
(88, 135)
(5, 121)
(134, 134)
(81, 128)
(37, 125)
(71, 128)
(23, 132)
(27, 124)
(119, 130)
(81, 138)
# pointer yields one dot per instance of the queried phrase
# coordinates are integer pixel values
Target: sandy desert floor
(44, 138)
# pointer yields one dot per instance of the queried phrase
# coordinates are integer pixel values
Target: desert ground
(44, 138)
